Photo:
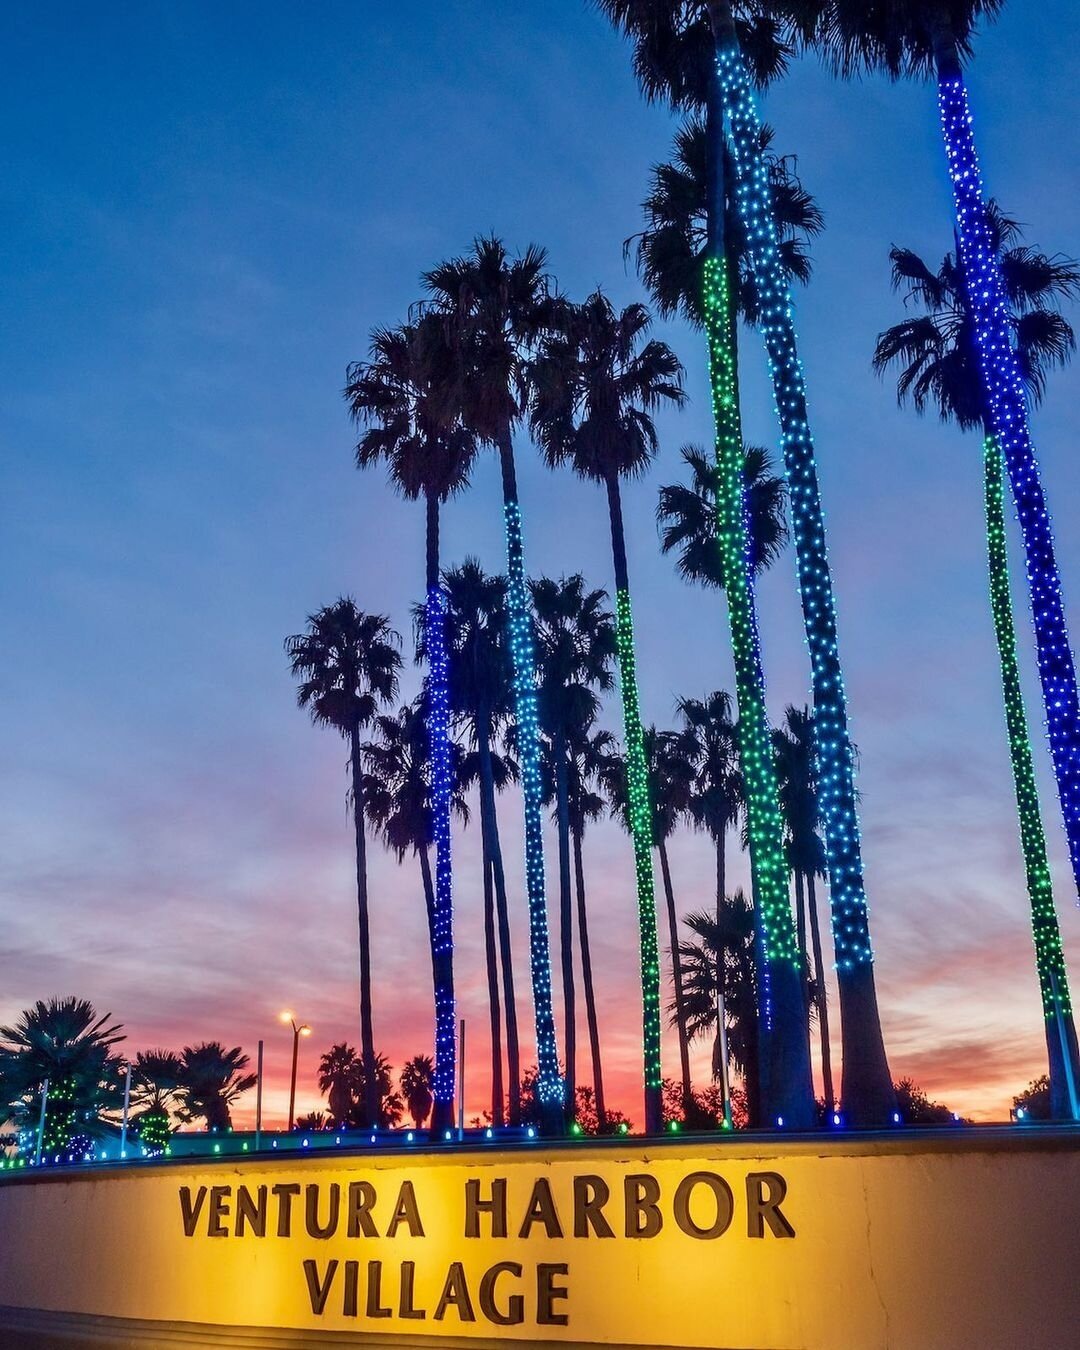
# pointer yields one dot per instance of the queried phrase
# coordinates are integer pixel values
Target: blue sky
(205, 209)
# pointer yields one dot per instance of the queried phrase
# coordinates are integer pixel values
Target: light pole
(298, 1030)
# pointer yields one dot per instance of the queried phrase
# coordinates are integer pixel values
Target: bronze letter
(406, 1212)
(406, 1307)
(361, 1198)
(219, 1211)
(725, 1205)
(374, 1289)
(496, 1207)
(317, 1292)
(311, 1211)
(515, 1304)
(590, 1196)
(349, 1302)
(547, 1291)
(285, 1191)
(455, 1294)
(541, 1210)
(250, 1212)
(640, 1194)
(190, 1213)
(764, 1193)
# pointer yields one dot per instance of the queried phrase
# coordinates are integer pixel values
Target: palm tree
(416, 1088)
(342, 1076)
(575, 646)
(480, 693)
(707, 739)
(590, 752)
(597, 383)
(721, 960)
(670, 39)
(155, 1093)
(347, 663)
(493, 308)
(65, 1042)
(793, 745)
(211, 1079)
(939, 367)
(339, 1069)
(922, 37)
(397, 397)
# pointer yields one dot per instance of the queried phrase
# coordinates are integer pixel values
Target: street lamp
(298, 1030)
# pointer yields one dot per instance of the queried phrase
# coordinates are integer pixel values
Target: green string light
(637, 792)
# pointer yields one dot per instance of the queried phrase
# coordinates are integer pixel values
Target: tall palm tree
(793, 745)
(597, 384)
(211, 1080)
(672, 50)
(64, 1041)
(936, 353)
(494, 307)
(721, 959)
(675, 49)
(481, 695)
(707, 738)
(590, 752)
(347, 663)
(923, 37)
(575, 646)
(411, 425)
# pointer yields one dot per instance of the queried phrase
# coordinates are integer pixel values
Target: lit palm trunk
(790, 1092)
(1049, 957)
(867, 1087)
(640, 817)
(439, 750)
(549, 1083)
(1007, 411)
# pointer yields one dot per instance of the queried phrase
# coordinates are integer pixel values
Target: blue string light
(1007, 408)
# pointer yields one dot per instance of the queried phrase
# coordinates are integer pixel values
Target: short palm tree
(481, 696)
(793, 745)
(347, 663)
(597, 383)
(416, 1088)
(411, 424)
(936, 354)
(211, 1080)
(493, 307)
(65, 1042)
(156, 1077)
(339, 1070)
(927, 37)
(575, 646)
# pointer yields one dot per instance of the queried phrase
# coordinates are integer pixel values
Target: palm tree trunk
(587, 983)
(677, 976)
(783, 1031)
(566, 924)
(637, 780)
(549, 1082)
(491, 959)
(367, 1033)
(822, 998)
(1049, 957)
(800, 931)
(1003, 388)
(867, 1088)
(721, 871)
(490, 825)
(442, 922)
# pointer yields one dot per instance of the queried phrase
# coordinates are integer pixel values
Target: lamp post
(298, 1030)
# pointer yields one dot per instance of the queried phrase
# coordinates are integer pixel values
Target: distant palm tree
(339, 1069)
(413, 426)
(211, 1080)
(155, 1093)
(347, 663)
(793, 745)
(481, 695)
(65, 1041)
(493, 308)
(725, 942)
(575, 646)
(708, 740)
(597, 383)
(415, 1082)
(343, 1078)
(936, 353)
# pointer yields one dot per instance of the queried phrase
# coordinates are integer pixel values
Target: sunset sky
(206, 208)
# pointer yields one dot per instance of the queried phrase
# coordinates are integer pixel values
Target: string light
(1049, 955)
(519, 625)
(835, 776)
(637, 792)
(442, 935)
(1004, 390)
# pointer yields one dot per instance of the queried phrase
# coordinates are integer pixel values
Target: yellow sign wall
(966, 1240)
